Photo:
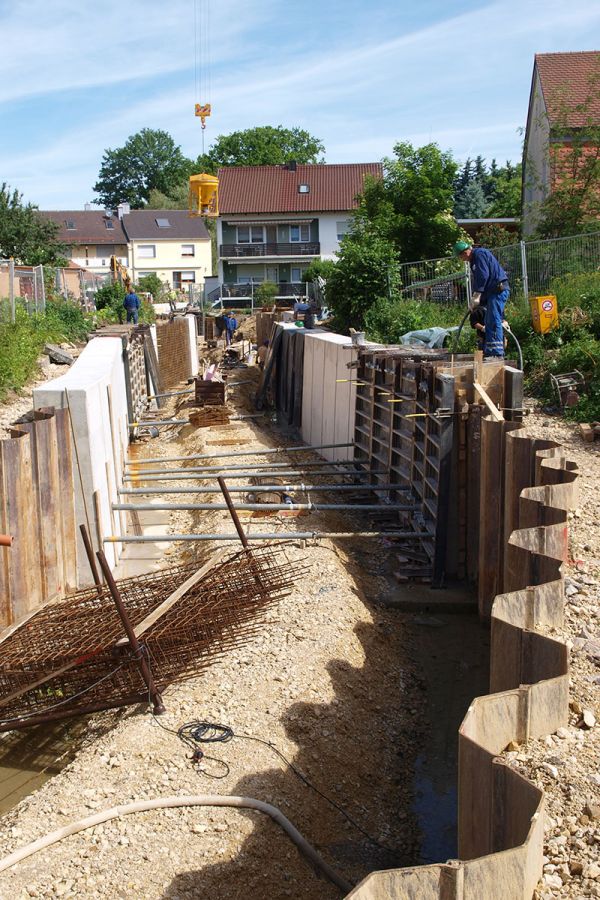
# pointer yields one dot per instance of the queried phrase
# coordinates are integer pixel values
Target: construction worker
(230, 327)
(132, 305)
(489, 284)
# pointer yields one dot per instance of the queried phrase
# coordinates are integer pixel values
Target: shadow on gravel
(360, 750)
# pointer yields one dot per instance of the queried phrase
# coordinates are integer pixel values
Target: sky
(79, 77)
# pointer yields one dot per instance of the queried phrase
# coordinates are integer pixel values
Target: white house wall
(536, 176)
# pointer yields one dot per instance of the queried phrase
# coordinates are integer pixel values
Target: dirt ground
(334, 680)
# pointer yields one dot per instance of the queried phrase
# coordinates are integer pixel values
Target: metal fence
(21, 286)
(531, 267)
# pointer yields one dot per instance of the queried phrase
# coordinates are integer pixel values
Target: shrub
(151, 284)
(265, 293)
(387, 320)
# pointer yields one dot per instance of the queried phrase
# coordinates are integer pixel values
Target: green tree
(148, 160)
(505, 201)
(367, 270)
(151, 284)
(265, 145)
(470, 202)
(496, 236)
(411, 204)
(177, 198)
(25, 235)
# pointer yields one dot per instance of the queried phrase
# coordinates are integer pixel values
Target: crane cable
(202, 73)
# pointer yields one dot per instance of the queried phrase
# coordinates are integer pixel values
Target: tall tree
(25, 235)
(148, 160)
(265, 145)
(402, 217)
(470, 203)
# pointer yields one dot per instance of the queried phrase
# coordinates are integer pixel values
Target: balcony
(287, 293)
(295, 248)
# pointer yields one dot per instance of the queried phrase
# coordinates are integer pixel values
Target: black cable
(199, 732)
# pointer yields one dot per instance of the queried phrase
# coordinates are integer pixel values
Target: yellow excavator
(119, 273)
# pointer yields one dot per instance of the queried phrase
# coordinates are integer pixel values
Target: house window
(296, 274)
(70, 223)
(108, 223)
(182, 279)
(304, 188)
(188, 250)
(147, 251)
(250, 234)
(163, 223)
(342, 228)
(299, 233)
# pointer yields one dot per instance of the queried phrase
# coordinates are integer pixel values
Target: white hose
(115, 812)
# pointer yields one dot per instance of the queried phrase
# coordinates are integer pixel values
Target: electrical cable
(197, 732)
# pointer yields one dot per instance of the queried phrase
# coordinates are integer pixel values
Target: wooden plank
(473, 480)
(67, 499)
(177, 594)
(496, 414)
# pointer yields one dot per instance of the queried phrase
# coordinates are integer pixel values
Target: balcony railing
(290, 292)
(294, 248)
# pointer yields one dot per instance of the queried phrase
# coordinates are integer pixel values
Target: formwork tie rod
(250, 466)
(268, 451)
(158, 422)
(261, 488)
(270, 536)
(316, 507)
(247, 473)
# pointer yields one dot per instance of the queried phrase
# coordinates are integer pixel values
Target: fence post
(524, 271)
(252, 296)
(468, 282)
(11, 289)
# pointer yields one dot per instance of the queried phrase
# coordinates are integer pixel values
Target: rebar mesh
(67, 655)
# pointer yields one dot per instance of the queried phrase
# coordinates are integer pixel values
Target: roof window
(108, 223)
(304, 188)
(70, 223)
(163, 223)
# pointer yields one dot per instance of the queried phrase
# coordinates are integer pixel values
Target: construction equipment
(119, 273)
(204, 188)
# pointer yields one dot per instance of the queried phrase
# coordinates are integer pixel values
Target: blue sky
(79, 77)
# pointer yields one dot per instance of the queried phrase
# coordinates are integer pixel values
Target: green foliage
(25, 235)
(149, 160)
(386, 321)
(496, 236)
(151, 284)
(22, 343)
(265, 293)
(319, 268)
(177, 198)
(262, 146)
(480, 192)
(411, 205)
(367, 270)
(110, 298)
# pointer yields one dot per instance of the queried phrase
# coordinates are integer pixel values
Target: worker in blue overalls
(489, 285)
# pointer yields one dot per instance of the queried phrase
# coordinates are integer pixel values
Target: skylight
(304, 188)
(108, 223)
(163, 223)
(70, 223)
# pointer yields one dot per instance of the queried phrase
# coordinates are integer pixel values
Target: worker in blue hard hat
(490, 288)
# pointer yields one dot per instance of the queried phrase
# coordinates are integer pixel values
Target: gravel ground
(334, 682)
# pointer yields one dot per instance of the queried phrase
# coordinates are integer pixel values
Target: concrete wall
(328, 394)
(95, 393)
(500, 813)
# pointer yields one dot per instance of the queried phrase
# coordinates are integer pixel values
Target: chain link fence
(20, 286)
(530, 265)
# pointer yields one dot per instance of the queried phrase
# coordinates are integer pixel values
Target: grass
(21, 343)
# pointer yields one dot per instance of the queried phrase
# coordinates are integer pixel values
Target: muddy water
(454, 656)
(29, 758)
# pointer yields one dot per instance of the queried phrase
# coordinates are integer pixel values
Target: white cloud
(462, 82)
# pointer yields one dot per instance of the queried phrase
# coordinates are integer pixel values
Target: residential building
(275, 220)
(169, 243)
(92, 236)
(165, 242)
(563, 101)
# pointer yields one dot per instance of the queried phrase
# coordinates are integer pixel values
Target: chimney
(87, 206)
(123, 209)
(292, 165)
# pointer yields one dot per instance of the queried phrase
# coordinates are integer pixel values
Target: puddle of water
(454, 656)
(29, 758)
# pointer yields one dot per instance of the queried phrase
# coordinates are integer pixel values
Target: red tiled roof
(274, 189)
(568, 80)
